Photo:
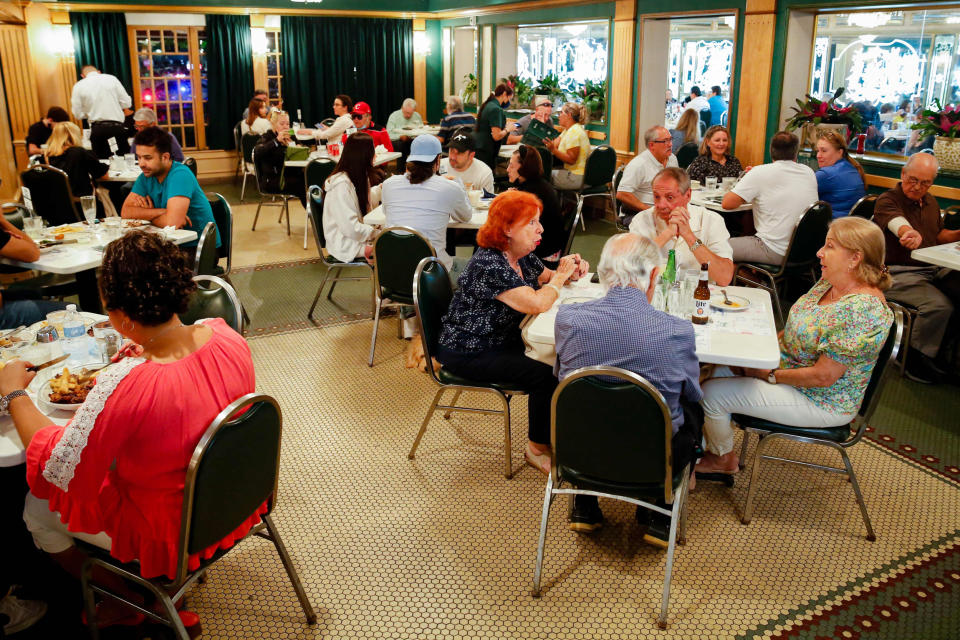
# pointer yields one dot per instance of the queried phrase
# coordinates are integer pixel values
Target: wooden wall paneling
(420, 71)
(20, 85)
(751, 138)
(621, 87)
(10, 185)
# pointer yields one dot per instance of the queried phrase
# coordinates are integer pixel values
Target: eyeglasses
(664, 141)
(358, 116)
(913, 182)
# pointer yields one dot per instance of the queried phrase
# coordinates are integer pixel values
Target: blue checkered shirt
(623, 330)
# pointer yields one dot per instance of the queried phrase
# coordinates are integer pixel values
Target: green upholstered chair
(216, 500)
(51, 195)
(800, 259)
(215, 298)
(205, 260)
(687, 153)
(432, 293)
(598, 178)
(272, 197)
(247, 142)
(334, 266)
(315, 174)
(191, 163)
(223, 216)
(838, 438)
(397, 251)
(612, 433)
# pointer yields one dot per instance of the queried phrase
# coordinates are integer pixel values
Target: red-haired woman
(502, 283)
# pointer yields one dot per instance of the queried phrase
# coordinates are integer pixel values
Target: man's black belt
(93, 124)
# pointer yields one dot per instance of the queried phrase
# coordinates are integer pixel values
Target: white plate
(577, 299)
(716, 301)
(484, 204)
(43, 393)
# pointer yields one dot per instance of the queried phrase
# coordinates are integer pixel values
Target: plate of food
(67, 390)
(729, 303)
(132, 223)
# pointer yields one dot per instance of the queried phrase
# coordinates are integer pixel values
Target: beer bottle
(701, 298)
(670, 272)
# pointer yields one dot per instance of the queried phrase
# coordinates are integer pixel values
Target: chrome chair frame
(678, 498)
(284, 203)
(865, 200)
(861, 420)
(209, 229)
(231, 294)
(504, 396)
(243, 164)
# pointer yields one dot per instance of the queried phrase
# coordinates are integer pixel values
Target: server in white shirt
(104, 103)
(423, 200)
(635, 191)
(463, 164)
(780, 191)
(698, 235)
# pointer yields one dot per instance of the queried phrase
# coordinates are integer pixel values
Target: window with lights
(274, 69)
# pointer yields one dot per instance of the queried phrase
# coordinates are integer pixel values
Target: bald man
(910, 219)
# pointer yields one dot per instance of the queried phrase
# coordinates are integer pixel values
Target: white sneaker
(23, 614)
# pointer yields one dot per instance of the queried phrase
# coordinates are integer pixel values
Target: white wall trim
(165, 20)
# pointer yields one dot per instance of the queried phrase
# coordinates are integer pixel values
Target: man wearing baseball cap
(363, 121)
(463, 164)
(543, 111)
(423, 200)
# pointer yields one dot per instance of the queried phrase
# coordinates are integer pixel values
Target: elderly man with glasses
(636, 188)
(144, 118)
(910, 219)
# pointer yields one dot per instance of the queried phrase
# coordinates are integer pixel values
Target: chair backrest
(570, 224)
(705, 117)
(315, 211)
(16, 216)
(216, 498)
(328, 122)
(432, 294)
(205, 261)
(237, 137)
(51, 195)
(611, 431)
(397, 252)
(723, 119)
(223, 216)
(600, 165)
(214, 298)
(317, 171)
(687, 153)
(191, 163)
(865, 207)
(809, 234)
(546, 159)
(247, 143)
(886, 357)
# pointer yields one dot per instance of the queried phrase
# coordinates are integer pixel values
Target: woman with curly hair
(114, 475)
(503, 282)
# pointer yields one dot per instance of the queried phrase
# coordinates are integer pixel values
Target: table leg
(88, 292)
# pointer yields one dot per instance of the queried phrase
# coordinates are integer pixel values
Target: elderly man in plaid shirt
(622, 329)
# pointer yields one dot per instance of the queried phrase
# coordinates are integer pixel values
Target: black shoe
(658, 531)
(586, 516)
(922, 369)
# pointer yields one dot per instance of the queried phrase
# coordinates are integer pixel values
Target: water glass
(131, 161)
(675, 303)
(33, 227)
(89, 206)
(112, 228)
(691, 278)
(711, 183)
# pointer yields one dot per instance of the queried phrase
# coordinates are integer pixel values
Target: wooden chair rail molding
(938, 191)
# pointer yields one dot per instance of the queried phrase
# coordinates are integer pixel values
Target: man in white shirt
(463, 164)
(423, 200)
(697, 102)
(102, 100)
(780, 191)
(635, 191)
(698, 235)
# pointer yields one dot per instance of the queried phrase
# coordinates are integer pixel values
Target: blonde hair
(577, 111)
(864, 237)
(689, 124)
(712, 131)
(836, 141)
(275, 116)
(64, 135)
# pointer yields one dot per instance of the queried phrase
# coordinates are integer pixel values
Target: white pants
(51, 535)
(724, 394)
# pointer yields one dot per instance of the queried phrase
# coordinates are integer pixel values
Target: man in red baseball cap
(363, 121)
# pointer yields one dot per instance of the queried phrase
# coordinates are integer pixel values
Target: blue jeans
(18, 312)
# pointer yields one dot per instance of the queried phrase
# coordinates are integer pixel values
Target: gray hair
(651, 134)
(628, 260)
(145, 115)
(681, 177)
(409, 102)
(921, 157)
(454, 103)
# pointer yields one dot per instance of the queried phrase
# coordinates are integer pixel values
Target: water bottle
(74, 337)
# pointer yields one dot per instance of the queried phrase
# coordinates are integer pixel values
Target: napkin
(380, 150)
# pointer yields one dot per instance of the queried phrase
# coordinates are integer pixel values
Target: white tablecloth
(377, 216)
(712, 201)
(379, 159)
(426, 130)
(942, 255)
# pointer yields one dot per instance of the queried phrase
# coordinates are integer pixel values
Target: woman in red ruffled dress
(114, 475)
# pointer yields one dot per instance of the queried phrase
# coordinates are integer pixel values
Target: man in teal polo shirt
(167, 194)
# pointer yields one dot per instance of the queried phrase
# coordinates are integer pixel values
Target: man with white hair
(144, 118)
(405, 116)
(456, 117)
(635, 191)
(622, 329)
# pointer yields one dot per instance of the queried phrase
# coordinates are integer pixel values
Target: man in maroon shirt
(910, 219)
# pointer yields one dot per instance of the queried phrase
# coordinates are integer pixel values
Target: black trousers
(100, 134)
(511, 365)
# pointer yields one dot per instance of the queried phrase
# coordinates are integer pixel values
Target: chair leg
(376, 324)
(286, 212)
(580, 212)
(316, 298)
(243, 185)
(257, 214)
(743, 449)
(871, 536)
(291, 571)
(89, 604)
(678, 500)
(776, 301)
(426, 421)
(541, 542)
(754, 478)
(306, 227)
(333, 283)
(456, 396)
(507, 446)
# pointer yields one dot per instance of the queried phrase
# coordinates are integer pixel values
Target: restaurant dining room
(282, 287)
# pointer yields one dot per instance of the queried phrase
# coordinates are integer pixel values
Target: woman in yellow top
(571, 148)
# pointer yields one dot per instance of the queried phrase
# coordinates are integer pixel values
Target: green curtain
(369, 59)
(229, 76)
(100, 39)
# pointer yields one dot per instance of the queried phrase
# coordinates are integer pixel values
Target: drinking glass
(691, 278)
(33, 227)
(711, 183)
(131, 161)
(89, 206)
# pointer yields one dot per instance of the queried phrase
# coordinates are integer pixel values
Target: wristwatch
(772, 376)
(5, 400)
(696, 245)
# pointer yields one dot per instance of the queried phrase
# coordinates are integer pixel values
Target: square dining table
(942, 255)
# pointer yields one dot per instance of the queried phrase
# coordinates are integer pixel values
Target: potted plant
(944, 123)
(522, 90)
(470, 86)
(594, 98)
(814, 115)
(549, 87)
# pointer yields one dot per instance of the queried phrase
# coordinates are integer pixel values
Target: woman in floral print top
(714, 159)
(828, 348)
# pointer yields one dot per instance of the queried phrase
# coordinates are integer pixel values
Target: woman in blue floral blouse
(503, 282)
